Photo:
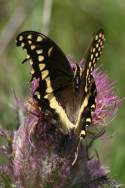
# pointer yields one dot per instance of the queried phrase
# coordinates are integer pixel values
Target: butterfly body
(69, 94)
(71, 104)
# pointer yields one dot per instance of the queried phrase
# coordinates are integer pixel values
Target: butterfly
(71, 95)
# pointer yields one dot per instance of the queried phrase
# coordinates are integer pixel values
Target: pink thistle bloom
(40, 155)
(107, 102)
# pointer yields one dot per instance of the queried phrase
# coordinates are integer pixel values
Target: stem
(46, 16)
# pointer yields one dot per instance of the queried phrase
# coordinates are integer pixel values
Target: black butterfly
(68, 94)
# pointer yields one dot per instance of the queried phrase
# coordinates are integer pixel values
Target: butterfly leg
(77, 151)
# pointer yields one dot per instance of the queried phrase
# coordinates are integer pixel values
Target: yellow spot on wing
(99, 49)
(100, 35)
(88, 70)
(97, 45)
(44, 74)
(92, 56)
(22, 44)
(83, 133)
(46, 96)
(41, 66)
(88, 120)
(39, 39)
(48, 82)
(32, 71)
(29, 36)
(31, 62)
(49, 86)
(49, 90)
(28, 56)
(33, 47)
(50, 50)
(40, 51)
(20, 38)
(90, 64)
(101, 43)
(91, 69)
(96, 37)
(103, 37)
(29, 42)
(97, 54)
(40, 58)
(94, 60)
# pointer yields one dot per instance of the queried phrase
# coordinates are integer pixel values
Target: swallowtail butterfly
(71, 95)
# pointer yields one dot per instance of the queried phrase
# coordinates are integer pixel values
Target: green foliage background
(71, 26)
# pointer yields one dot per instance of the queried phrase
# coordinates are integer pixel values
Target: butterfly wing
(51, 67)
(48, 62)
(93, 56)
(89, 97)
(53, 70)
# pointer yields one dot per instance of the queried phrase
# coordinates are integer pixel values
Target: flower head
(107, 102)
(40, 155)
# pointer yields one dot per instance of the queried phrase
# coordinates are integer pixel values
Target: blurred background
(71, 25)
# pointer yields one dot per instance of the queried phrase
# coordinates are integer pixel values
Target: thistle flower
(40, 155)
(107, 102)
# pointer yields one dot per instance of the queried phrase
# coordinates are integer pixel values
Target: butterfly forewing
(89, 98)
(95, 50)
(93, 56)
(47, 60)
(53, 70)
